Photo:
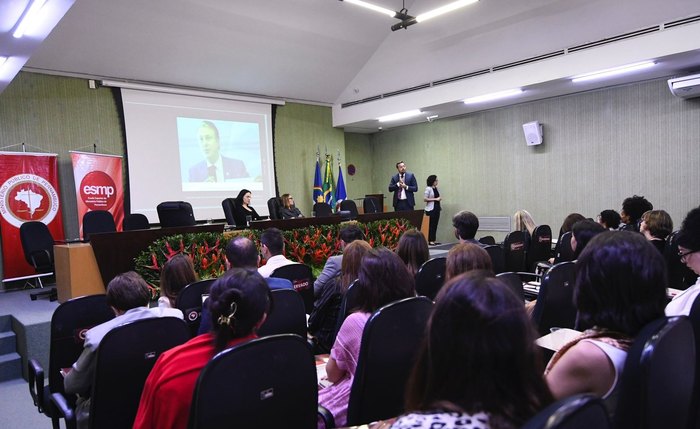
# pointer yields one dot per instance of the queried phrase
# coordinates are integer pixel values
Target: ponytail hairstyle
(237, 302)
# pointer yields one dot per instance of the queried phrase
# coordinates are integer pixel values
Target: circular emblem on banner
(28, 197)
(97, 191)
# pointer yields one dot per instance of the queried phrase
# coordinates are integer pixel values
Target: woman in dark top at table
(289, 210)
(243, 209)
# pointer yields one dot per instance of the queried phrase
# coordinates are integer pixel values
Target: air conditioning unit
(685, 87)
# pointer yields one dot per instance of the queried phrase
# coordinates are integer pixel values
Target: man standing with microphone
(403, 185)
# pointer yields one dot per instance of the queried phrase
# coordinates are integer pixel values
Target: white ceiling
(331, 52)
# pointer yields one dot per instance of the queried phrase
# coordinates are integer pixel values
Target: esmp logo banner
(28, 197)
(98, 191)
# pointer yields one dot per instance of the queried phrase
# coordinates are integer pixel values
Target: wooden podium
(76, 271)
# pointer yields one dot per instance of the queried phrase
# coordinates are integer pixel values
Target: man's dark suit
(410, 181)
(233, 169)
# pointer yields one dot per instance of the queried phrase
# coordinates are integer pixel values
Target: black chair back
(514, 282)
(694, 318)
(302, 279)
(265, 383)
(431, 276)
(498, 260)
(175, 213)
(347, 304)
(135, 221)
(555, 303)
(575, 412)
(514, 251)
(350, 206)
(487, 240)
(124, 359)
(274, 206)
(97, 221)
(287, 314)
(390, 342)
(679, 275)
(540, 246)
(564, 252)
(189, 301)
(322, 210)
(229, 206)
(372, 205)
(37, 244)
(656, 385)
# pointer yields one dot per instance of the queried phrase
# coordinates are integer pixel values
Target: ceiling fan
(407, 20)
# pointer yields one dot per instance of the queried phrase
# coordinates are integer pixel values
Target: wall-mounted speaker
(533, 133)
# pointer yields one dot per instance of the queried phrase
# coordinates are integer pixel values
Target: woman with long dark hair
(413, 250)
(243, 209)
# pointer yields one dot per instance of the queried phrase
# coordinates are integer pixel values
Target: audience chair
(679, 275)
(497, 258)
(37, 245)
(430, 277)
(124, 359)
(287, 314)
(540, 248)
(694, 318)
(487, 240)
(135, 221)
(347, 304)
(575, 412)
(229, 206)
(302, 279)
(322, 210)
(97, 221)
(564, 252)
(372, 205)
(274, 206)
(514, 251)
(555, 302)
(67, 333)
(269, 382)
(190, 300)
(514, 282)
(175, 213)
(390, 342)
(349, 205)
(656, 385)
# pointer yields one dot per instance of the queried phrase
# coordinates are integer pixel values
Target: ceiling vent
(685, 87)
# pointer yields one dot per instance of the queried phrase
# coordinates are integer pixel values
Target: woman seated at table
(478, 366)
(383, 279)
(413, 250)
(243, 210)
(289, 210)
(620, 287)
(239, 303)
(177, 273)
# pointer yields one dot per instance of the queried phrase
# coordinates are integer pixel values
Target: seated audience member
(272, 242)
(688, 240)
(348, 234)
(523, 221)
(289, 210)
(620, 287)
(566, 226)
(466, 224)
(656, 225)
(632, 210)
(609, 219)
(464, 257)
(413, 250)
(243, 209)
(324, 317)
(478, 366)
(383, 279)
(581, 233)
(239, 303)
(128, 295)
(177, 273)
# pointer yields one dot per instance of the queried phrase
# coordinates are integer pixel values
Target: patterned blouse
(442, 420)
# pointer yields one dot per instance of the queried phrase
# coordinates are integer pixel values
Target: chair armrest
(35, 378)
(326, 416)
(65, 410)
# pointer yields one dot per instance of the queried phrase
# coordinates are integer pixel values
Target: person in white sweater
(688, 240)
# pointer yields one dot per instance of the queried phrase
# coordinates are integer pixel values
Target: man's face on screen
(208, 143)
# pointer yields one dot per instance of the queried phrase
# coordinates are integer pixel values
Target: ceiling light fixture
(400, 115)
(29, 18)
(370, 6)
(408, 20)
(602, 74)
(493, 96)
(444, 9)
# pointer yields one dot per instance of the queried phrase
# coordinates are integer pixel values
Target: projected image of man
(214, 167)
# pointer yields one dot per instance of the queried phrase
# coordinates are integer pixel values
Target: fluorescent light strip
(28, 18)
(443, 9)
(613, 71)
(401, 115)
(370, 6)
(493, 96)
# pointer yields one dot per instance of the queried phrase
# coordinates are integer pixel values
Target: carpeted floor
(17, 410)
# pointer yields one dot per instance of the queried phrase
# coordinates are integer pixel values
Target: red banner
(28, 192)
(98, 185)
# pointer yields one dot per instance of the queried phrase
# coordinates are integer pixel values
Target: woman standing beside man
(432, 200)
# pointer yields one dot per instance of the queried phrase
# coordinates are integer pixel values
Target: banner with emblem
(98, 185)
(28, 192)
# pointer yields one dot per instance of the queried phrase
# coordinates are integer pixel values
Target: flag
(318, 186)
(328, 184)
(340, 193)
